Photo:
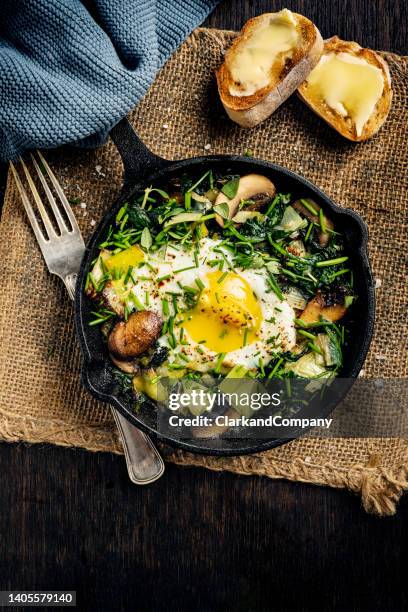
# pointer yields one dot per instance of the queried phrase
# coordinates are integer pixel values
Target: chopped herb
(314, 347)
(218, 364)
(274, 202)
(199, 181)
(199, 284)
(165, 307)
(277, 247)
(230, 189)
(163, 278)
(322, 221)
(306, 334)
(128, 275)
(275, 287)
(309, 229)
(303, 324)
(137, 302)
(184, 269)
(331, 262)
(339, 273)
(176, 366)
(275, 368)
(245, 340)
(146, 239)
(181, 336)
(222, 209)
(101, 316)
(188, 289)
(309, 207)
(172, 341)
(222, 277)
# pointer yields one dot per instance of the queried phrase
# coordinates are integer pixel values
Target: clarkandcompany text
(243, 421)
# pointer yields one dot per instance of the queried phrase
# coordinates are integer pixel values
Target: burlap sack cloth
(41, 397)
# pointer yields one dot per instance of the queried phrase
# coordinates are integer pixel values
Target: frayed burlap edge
(380, 488)
(37, 431)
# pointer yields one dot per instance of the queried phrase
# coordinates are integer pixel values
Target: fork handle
(143, 461)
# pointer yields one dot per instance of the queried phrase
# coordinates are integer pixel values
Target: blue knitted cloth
(70, 69)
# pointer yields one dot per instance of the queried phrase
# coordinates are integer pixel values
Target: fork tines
(59, 220)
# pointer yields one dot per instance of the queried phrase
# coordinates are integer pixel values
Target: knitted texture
(68, 73)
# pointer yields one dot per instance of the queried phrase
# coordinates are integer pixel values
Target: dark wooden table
(196, 540)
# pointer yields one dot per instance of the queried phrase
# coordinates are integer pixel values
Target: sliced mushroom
(317, 308)
(251, 187)
(129, 367)
(301, 208)
(133, 337)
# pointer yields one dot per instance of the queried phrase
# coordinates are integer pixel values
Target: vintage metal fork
(63, 251)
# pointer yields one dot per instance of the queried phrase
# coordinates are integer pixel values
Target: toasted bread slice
(266, 63)
(350, 89)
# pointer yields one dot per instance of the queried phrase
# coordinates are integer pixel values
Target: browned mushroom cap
(131, 338)
(253, 187)
(323, 236)
(317, 307)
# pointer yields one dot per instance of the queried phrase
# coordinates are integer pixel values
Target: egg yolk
(227, 315)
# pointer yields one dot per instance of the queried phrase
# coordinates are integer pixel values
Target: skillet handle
(138, 160)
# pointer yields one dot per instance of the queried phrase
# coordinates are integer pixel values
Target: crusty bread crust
(285, 76)
(344, 125)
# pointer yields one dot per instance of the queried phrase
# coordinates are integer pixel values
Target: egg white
(165, 271)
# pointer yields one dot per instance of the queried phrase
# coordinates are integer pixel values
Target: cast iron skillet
(143, 168)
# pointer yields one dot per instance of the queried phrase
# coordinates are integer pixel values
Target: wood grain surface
(379, 24)
(196, 540)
